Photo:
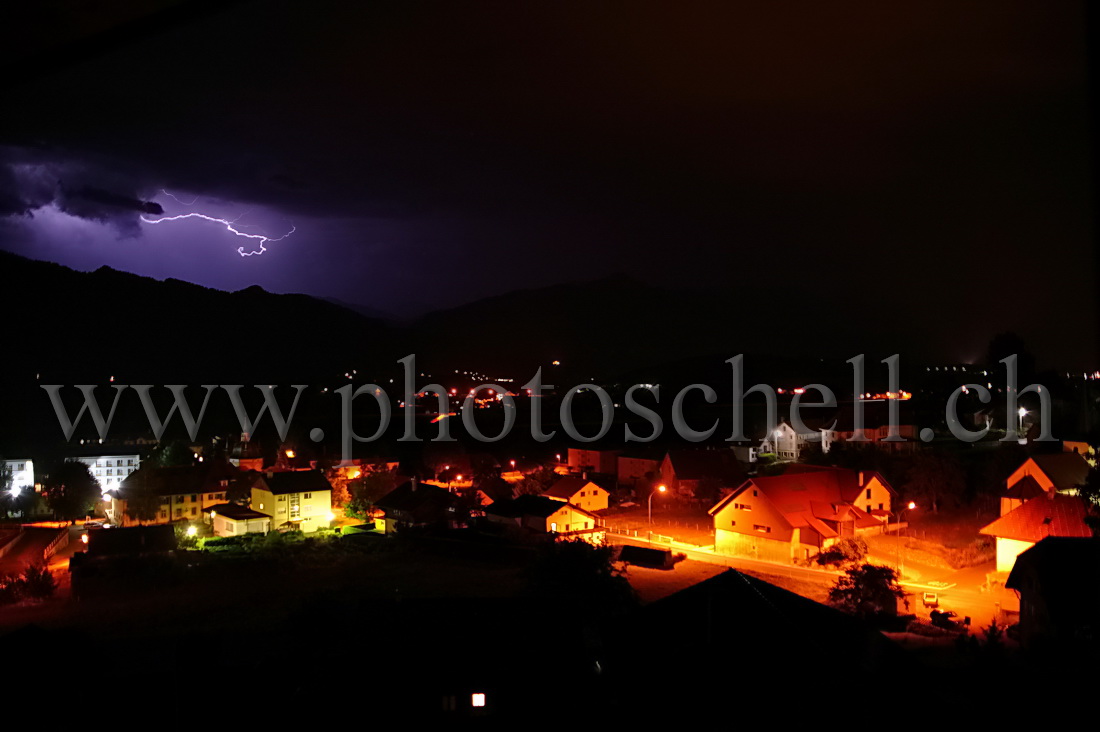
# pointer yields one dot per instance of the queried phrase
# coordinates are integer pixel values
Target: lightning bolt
(229, 224)
(185, 203)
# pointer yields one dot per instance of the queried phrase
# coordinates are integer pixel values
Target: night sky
(926, 167)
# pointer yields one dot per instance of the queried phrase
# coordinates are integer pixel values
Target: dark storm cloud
(32, 178)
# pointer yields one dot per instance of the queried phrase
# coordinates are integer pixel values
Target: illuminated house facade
(796, 515)
(581, 493)
(788, 443)
(597, 461)
(167, 495)
(111, 470)
(21, 473)
(230, 519)
(1049, 514)
(543, 515)
(294, 499)
(1060, 473)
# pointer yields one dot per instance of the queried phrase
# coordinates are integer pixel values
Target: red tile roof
(1046, 515)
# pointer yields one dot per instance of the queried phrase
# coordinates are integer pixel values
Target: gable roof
(1043, 516)
(785, 626)
(180, 480)
(1024, 489)
(1067, 571)
(297, 481)
(1065, 469)
(568, 487)
(421, 501)
(528, 505)
(810, 498)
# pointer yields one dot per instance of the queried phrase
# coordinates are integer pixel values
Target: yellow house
(795, 515)
(294, 499)
(167, 495)
(542, 515)
(1049, 514)
(581, 493)
(230, 519)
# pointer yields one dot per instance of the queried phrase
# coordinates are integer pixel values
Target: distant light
(1021, 411)
(458, 477)
(912, 505)
(15, 490)
(192, 531)
(84, 538)
(330, 516)
(290, 454)
(477, 700)
(662, 488)
(557, 363)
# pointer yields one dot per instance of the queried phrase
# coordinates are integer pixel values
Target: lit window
(477, 700)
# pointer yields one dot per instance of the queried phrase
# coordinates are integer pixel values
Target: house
(1058, 581)
(788, 443)
(580, 492)
(21, 473)
(294, 499)
(796, 515)
(875, 426)
(231, 519)
(543, 515)
(418, 505)
(635, 467)
(1057, 472)
(593, 461)
(153, 495)
(692, 473)
(1048, 514)
(110, 470)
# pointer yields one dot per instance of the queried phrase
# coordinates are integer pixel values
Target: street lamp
(900, 565)
(1021, 412)
(660, 489)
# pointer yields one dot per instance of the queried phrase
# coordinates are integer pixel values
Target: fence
(59, 542)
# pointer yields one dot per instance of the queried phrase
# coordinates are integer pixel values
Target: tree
(934, 480)
(867, 591)
(71, 490)
(367, 490)
(537, 482)
(170, 454)
(579, 573)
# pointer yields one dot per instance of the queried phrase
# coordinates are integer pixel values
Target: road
(958, 590)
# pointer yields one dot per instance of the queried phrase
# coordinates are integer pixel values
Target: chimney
(861, 479)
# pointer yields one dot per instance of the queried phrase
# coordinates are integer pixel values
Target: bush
(849, 550)
(11, 590)
(38, 582)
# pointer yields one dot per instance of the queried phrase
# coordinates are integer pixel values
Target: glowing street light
(192, 531)
(660, 489)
